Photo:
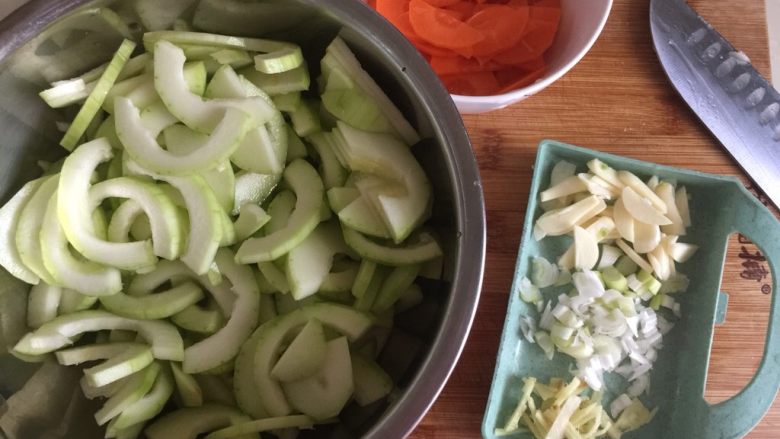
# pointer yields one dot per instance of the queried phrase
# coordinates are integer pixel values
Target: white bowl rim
(513, 96)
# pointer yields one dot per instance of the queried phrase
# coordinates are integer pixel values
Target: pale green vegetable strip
(95, 100)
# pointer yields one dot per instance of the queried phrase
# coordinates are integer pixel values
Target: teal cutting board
(719, 207)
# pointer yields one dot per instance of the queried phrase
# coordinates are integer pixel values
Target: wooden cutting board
(616, 100)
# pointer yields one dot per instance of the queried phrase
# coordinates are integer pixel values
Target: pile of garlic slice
(605, 205)
(623, 258)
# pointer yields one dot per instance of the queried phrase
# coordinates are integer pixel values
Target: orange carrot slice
(442, 3)
(525, 79)
(465, 8)
(501, 25)
(472, 84)
(452, 65)
(397, 12)
(440, 28)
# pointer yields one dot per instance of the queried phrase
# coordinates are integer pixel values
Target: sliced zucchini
(287, 102)
(325, 393)
(309, 263)
(142, 146)
(121, 365)
(279, 61)
(340, 280)
(42, 304)
(359, 215)
(305, 355)
(150, 405)
(190, 422)
(9, 221)
(157, 15)
(223, 346)
(372, 383)
(308, 188)
(187, 388)
(97, 95)
(349, 63)
(28, 230)
(69, 271)
(181, 140)
(166, 226)
(264, 148)
(333, 174)
(341, 197)
(275, 276)
(387, 157)
(305, 120)
(250, 219)
(92, 352)
(395, 285)
(191, 109)
(72, 301)
(266, 344)
(423, 247)
(154, 306)
(253, 188)
(291, 81)
(131, 391)
(196, 319)
(262, 425)
(74, 210)
(165, 341)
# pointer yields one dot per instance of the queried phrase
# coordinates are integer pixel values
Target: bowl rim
(531, 89)
(402, 416)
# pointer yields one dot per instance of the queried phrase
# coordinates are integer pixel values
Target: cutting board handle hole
(739, 340)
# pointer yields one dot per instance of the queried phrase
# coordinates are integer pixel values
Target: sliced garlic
(646, 237)
(653, 182)
(681, 199)
(570, 185)
(561, 171)
(603, 170)
(566, 261)
(561, 221)
(659, 260)
(624, 223)
(665, 192)
(602, 228)
(642, 209)
(595, 188)
(681, 251)
(586, 249)
(641, 188)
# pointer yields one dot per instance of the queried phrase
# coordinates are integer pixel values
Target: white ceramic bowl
(581, 24)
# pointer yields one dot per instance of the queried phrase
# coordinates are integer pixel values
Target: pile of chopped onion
(622, 264)
(557, 410)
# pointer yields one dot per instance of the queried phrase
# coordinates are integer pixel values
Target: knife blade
(723, 88)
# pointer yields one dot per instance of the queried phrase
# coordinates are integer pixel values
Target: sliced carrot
(548, 11)
(430, 49)
(442, 3)
(501, 25)
(465, 7)
(452, 65)
(473, 84)
(396, 12)
(534, 64)
(441, 29)
(524, 80)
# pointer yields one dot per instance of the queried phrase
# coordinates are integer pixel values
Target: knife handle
(734, 417)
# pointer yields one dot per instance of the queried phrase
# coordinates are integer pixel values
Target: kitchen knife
(718, 82)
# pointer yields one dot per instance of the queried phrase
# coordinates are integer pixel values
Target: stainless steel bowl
(29, 135)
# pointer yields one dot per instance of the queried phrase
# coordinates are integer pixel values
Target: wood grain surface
(616, 100)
